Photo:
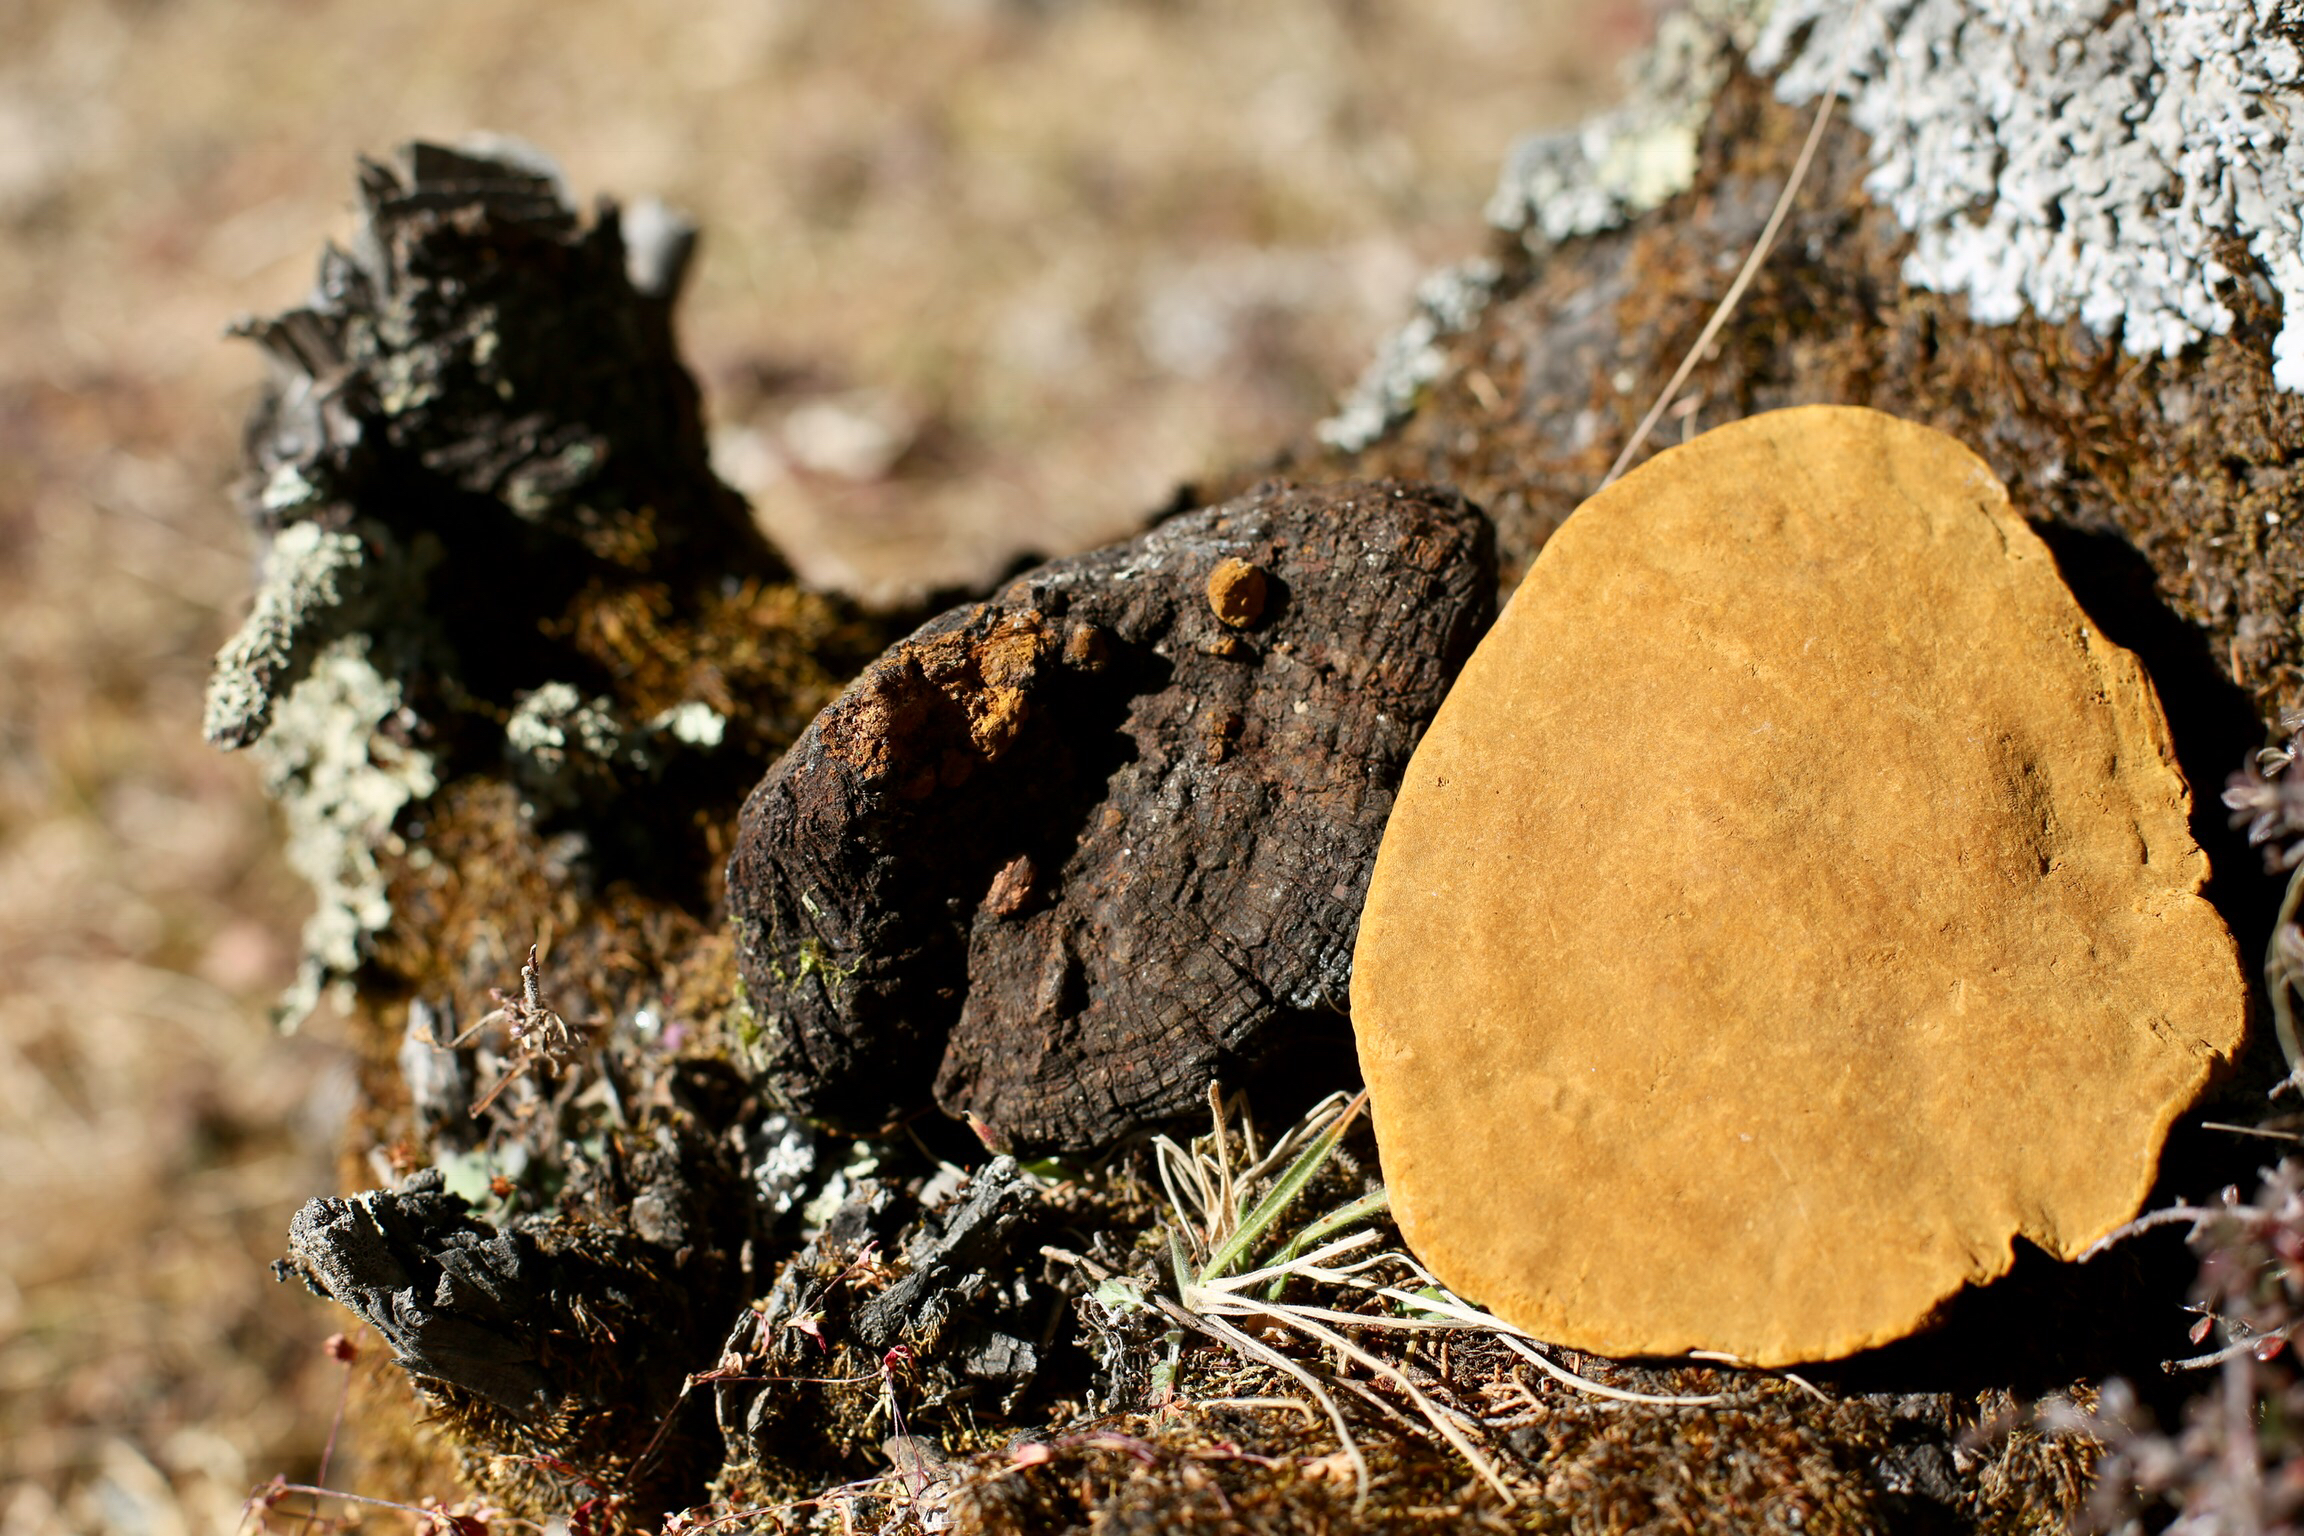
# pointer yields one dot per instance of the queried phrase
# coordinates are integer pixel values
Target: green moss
(811, 958)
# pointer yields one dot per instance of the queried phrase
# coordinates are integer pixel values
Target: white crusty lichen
(1625, 161)
(2078, 158)
(336, 762)
(552, 724)
(1559, 185)
(1447, 303)
(2075, 159)
(559, 741)
(299, 687)
(556, 737)
(310, 576)
(695, 724)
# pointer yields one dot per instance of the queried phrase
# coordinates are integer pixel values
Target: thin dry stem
(1744, 276)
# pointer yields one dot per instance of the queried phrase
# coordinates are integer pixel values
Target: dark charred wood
(453, 1298)
(565, 1336)
(481, 392)
(947, 1259)
(1065, 856)
(481, 332)
(945, 1302)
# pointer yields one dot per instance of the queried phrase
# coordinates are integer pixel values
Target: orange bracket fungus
(1792, 904)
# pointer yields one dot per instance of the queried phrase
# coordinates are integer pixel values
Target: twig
(1744, 276)
(2250, 1130)
(2231, 1351)
(345, 1351)
(2145, 1223)
(432, 1519)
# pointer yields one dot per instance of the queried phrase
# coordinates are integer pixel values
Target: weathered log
(2166, 476)
(1069, 854)
(496, 553)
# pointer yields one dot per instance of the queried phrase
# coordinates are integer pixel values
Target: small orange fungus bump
(1236, 592)
(1792, 904)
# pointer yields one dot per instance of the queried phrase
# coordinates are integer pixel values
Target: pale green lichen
(299, 685)
(1447, 304)
(561, 744)
(335, 762)
(312, 577)
(1621, 163)
(811, 958)
(759, 1030)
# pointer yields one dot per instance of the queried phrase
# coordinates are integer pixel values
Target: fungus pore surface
(1792, 903)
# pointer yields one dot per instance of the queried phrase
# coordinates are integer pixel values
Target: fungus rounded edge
(1792, 903)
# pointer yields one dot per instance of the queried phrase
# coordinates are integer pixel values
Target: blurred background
(978, 276)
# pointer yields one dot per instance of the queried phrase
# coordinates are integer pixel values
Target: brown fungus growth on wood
(1793, 904)
(1064, 854)
(1236, 592)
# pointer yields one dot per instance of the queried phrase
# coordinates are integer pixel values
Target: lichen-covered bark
(498, 554)
(2189, 460)
(1071, 853)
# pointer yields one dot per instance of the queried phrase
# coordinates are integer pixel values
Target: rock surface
(1069, 853)
(1793, 903)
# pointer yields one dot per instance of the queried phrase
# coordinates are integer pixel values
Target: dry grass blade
(1744, 275)
(1304, 1321)
(1264, 1353)
(1205, 1191)
(1250, 1229)
(2194, 1214)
